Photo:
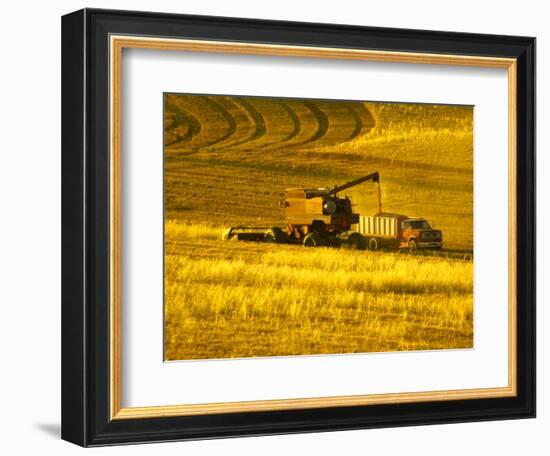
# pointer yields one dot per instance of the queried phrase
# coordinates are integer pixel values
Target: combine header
(314, 217)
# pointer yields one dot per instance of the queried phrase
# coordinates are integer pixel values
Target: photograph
(299, 226)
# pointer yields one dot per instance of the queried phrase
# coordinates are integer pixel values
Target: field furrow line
(297, 126)
(365, 121)
(275, 122)
(244, 124)
(257, 122)
(183, 128)
(358, 123)
(322, 122)
(305, 125)
(212, 125)
(232, 125)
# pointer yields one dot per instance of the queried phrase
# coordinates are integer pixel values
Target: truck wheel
(313, 239)
(274, 235)
(373, 244)
(355, 241)
(413, 247)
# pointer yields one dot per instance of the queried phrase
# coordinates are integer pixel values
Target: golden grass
(292, 301)
(437, 138)
(174, 229)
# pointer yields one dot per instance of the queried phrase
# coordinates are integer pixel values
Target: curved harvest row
(195, 123)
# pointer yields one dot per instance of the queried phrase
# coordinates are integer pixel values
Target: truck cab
(416, 233)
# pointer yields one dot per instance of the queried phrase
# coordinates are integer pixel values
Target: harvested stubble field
(228, 161)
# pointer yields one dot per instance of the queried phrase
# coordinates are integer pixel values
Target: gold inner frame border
(116, 46)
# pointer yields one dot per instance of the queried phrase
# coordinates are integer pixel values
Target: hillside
(229, 159)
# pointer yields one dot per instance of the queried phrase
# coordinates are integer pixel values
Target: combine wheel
(313, 239)
(355, 241)
(373, 244)
(274, 235)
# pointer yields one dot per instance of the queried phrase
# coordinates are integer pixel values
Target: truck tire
(373, 244)
(413, 247)
(355, 241)
(274, 235)
(313, 239)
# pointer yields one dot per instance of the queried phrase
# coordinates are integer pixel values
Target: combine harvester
(319, 217)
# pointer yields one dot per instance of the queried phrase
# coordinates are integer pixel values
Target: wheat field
(228, 161)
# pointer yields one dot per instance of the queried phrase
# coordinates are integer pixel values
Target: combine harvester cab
(316, 217)
(399, 231)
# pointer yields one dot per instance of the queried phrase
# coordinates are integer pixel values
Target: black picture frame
(85, 228)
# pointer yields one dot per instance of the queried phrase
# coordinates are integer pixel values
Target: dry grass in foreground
(284, 300)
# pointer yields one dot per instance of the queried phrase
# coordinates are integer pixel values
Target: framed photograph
(277, 227)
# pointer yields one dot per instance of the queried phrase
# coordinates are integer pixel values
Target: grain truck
(385, 230)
